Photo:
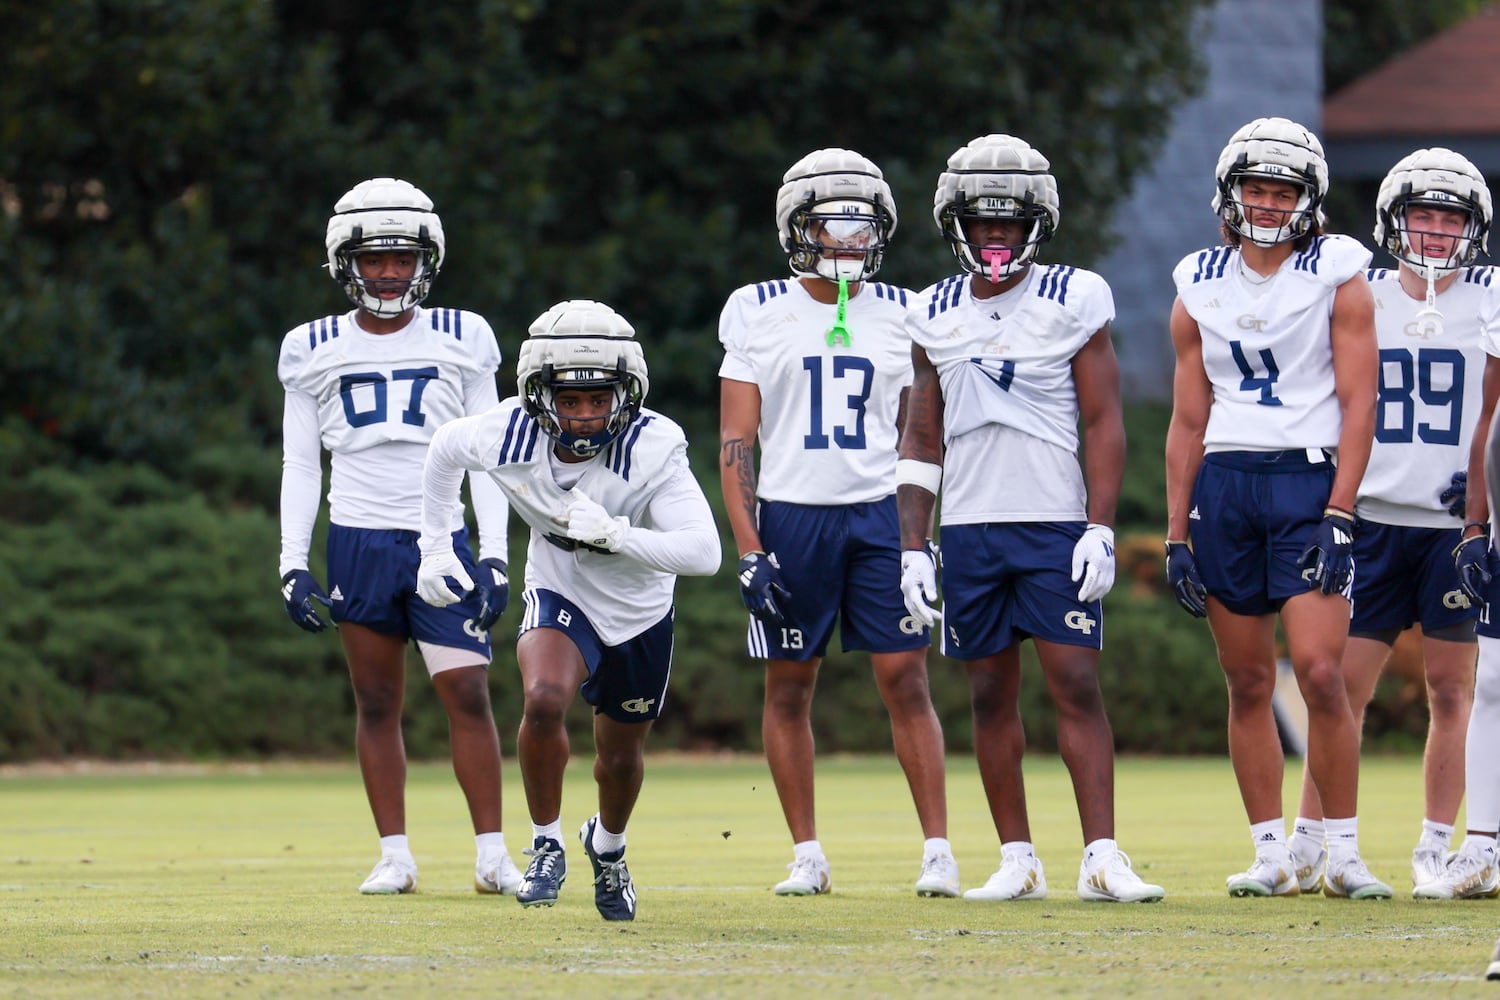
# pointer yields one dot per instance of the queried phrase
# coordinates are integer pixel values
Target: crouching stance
(615, 516)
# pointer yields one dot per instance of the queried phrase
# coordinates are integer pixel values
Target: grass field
(240, 882)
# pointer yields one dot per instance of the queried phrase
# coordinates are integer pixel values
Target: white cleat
(1309, 873)
(939, 876)
(809, 877)
(1472, 873)
(1351, 879)
(390, 877)
(1273, 873)
(1428, 864)
(1113, 880)
(497, 874)
(1493, 972)
(1019, 877)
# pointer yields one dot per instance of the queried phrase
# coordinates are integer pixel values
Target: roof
(1449, 84)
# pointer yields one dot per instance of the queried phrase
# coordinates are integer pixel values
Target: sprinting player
(1432, 214)
(1009, 356)
(372, 386)
(1276, 375)
(816, 368)
(615, 516)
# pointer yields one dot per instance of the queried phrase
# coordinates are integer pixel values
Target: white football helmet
(1273, 149)
(996, 177)
(1434, 178)
(582, 344)
(835, 215)
(384, 214)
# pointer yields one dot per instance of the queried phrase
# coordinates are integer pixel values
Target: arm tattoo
(739, 457)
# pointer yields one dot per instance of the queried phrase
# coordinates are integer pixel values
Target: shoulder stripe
(1211, 263)
(1378, 273)
(1479, 274)
(1307, 260)
(946, 294)
(1054, 283)
(519, 444)
(623, 449)
(448, 321)
(767, 290)
(892, 292)
(320, 331)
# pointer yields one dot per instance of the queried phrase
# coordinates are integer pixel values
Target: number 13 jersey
(827, 411)
(1266, 346)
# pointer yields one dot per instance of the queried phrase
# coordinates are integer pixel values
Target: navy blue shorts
(372, 581)
(1004, 582)
(1254, 513)
(1407, 575)
(627, 682)
(842, 565)
(1488, 622)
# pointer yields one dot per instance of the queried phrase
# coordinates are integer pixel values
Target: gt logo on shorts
(1079, 621)
(910, 626)
(473, 630)
(1456, 599)
(639, 706)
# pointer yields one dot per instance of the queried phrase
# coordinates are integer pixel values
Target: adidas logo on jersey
(337, 595)
(1193, 515)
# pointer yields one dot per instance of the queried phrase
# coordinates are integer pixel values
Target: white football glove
(437, 568)
(591, 524)
(919, 585)
(1094, 562)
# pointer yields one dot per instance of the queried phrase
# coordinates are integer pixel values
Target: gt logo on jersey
(1456, 599)
(1079, 621)
(1248, 322)
(640, 706)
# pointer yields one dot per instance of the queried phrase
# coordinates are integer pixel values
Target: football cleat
(614, 890)
(1112, 880)
(1469, 874)
(1493, 972)
(391, 876)
(496, 873)
(1350, 879)
(1309, 875)
(1271, 874)
(1428, 863)
(939, 876)
(1019, 877)
(544, 875)
(809, 877)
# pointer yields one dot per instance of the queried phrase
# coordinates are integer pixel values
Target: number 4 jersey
(828, 398)
(1266, 346)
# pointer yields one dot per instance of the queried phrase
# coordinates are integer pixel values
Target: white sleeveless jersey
(621, 596)
(1430, 393)
(1266, 345)
(1489, 318)
(1010, 406)
(380, 398)
(827, 412)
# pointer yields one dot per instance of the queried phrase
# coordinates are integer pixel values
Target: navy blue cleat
(614, 892)
(545, 875)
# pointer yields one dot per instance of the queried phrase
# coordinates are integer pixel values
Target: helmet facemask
(366, 292)
(1409, 244)
(624, 387)
(841, 240)
(996, 261)
(1295, 222)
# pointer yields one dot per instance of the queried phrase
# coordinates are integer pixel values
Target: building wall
(1264, 58)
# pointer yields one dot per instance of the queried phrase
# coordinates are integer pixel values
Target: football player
(816, 367)
(1275, 376)
(372, 386)
(1009, 354)
(1433, 215)
(615, 516)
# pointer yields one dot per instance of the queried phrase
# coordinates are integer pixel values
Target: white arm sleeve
(301, 478)
(691, 546)
(449, 454)
(491, 509)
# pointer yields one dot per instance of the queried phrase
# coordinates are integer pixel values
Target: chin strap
(1429, 320)
(839, 332)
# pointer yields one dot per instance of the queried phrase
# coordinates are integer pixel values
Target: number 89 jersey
(827, 411)
(1266, 347)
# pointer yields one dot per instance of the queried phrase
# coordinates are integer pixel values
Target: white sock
(490, 843)
(933, 846)
(1269, 834)
(1312, 829)
(605, 842)
(1436, 834)
(807, 849)
(1099, 850)
(395, 846)
(552, 830)
(1343, 837)
(1021, 848)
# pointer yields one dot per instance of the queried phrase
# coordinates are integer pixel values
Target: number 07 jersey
(1266, 346)
(827, 411)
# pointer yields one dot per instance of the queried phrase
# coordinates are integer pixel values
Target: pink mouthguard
(996, 258)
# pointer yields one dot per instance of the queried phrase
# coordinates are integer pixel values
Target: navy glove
(299, 589)
(761, 588)
(1455, 496)
(1329, 561)
(1471, 559)
(493, 587)
(1182, 576)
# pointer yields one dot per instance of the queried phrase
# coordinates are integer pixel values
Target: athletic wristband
(927, 475)
(1481, 525)
(1332, 511)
